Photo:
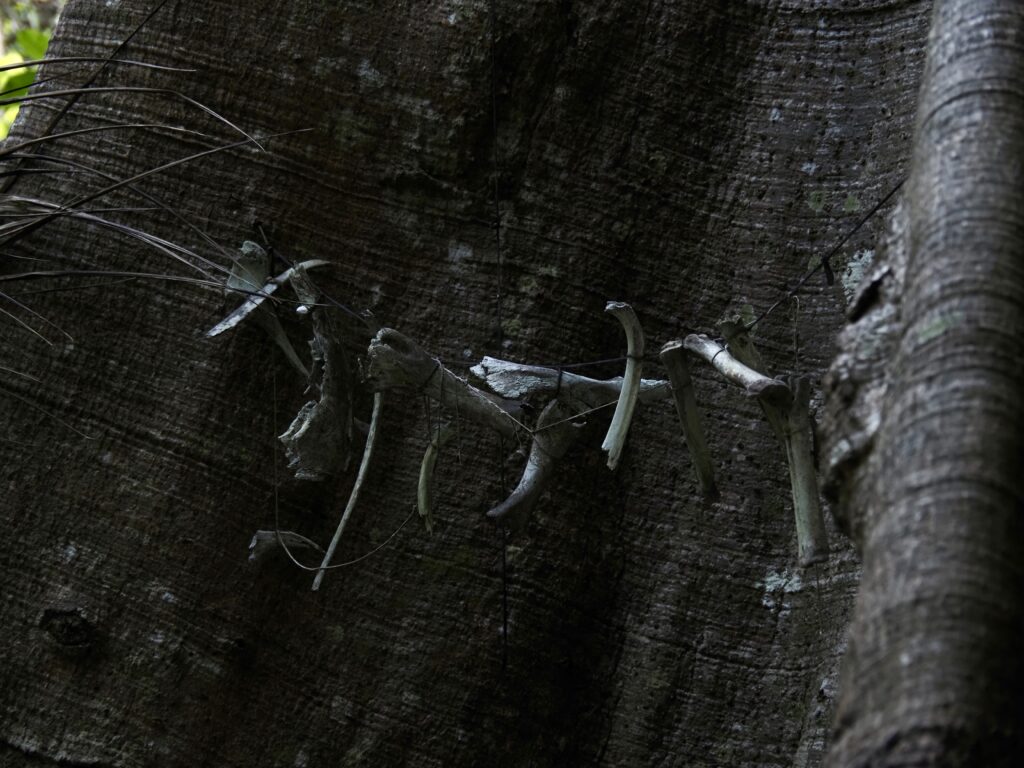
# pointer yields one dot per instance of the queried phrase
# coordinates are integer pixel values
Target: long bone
(785, 405)
(615, 440)
(674, 358)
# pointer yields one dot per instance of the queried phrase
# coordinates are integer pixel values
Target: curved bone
(264, 542)
(552, 438)
(619, 428)
(756, 384)
(425, 487)
(395, 360)
(378, 403)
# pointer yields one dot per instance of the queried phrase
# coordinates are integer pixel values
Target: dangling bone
(425, 487)
(552, 437)
(785, 407)
(250, 277)
(619, 428)
(674, 359)
(319, 439)
(394, 360)
(255, 295)
(264, 542)
(812, 538)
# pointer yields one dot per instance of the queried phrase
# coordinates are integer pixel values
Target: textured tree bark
(690, 158)
(928, 456)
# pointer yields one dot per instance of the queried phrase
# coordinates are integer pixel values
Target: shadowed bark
(689, 158)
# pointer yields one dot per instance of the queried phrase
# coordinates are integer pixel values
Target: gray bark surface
(689, 158)
(926, 435)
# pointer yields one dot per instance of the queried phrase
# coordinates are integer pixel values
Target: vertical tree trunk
(933, 673)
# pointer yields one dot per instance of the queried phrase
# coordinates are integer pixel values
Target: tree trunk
(934, 490)
(690, 158)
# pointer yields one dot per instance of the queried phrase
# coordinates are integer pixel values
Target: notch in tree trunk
(674, 359)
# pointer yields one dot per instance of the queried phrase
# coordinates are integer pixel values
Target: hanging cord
(503, 541)
(495, 159)
(823, 264)
(503, 532)
(496, 169)
(588, 364)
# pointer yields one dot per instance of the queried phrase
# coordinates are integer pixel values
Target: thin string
(503, 541)
(458, 431)
(433, 373)
(587, 364)
(574, 417)
(503, 532)
(426, 414)
(496, 160)
(496, 170)
(440, 412)
(824, 264)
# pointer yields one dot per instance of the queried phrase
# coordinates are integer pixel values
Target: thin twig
(163, 206)
(21, 232)
(130, 89)
(91, 59)
(378, 402)
(94, 129)
(92, 79)
(35, 314)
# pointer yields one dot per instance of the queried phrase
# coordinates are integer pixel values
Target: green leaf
(16, 83)
(31, 43)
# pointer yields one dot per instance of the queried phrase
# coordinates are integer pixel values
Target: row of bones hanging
(315, 444)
